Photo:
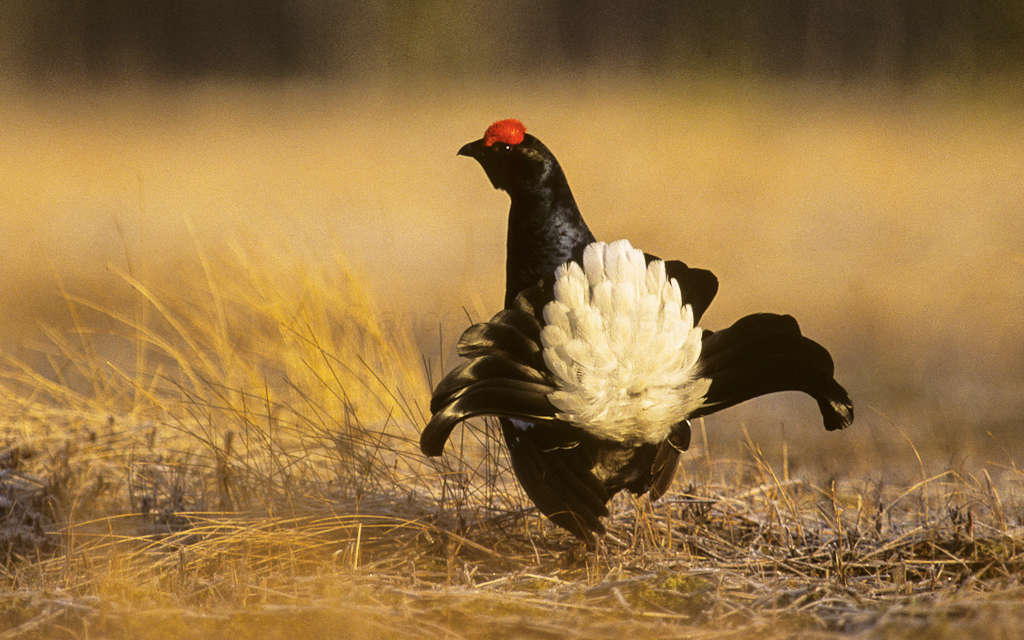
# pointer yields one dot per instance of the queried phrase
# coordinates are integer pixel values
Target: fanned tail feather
(490, 397)
(503, 376)
(698, 286)
(500, 337)
(764, 353)
(487, 367)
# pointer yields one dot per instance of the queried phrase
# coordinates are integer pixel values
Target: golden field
(224, 305)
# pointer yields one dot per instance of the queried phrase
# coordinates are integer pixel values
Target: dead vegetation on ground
(246, 463)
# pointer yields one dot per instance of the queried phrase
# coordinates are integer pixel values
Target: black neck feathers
(545, 229)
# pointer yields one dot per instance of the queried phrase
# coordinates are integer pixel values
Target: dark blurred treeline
(896, 40)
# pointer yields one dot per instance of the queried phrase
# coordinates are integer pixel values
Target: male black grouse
(595, 365)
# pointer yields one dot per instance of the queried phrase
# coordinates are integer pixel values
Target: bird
(596, 364)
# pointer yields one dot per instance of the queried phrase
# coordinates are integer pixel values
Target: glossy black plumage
(765, 353)
(568, 473)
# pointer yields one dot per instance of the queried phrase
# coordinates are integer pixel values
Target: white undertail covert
(621, 346)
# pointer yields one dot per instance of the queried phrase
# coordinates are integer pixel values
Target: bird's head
(513, 159)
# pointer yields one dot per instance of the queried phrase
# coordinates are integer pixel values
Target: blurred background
(896, 40)
(859, 164)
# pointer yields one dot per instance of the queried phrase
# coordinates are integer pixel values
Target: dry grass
(215, 431)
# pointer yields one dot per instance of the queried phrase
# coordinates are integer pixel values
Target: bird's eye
(505, 147)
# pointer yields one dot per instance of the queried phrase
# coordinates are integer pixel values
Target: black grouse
(595, 366)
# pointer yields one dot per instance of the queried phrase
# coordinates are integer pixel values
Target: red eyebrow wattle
(510, 131)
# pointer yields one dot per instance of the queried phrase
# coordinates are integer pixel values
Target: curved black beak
(473, 149)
